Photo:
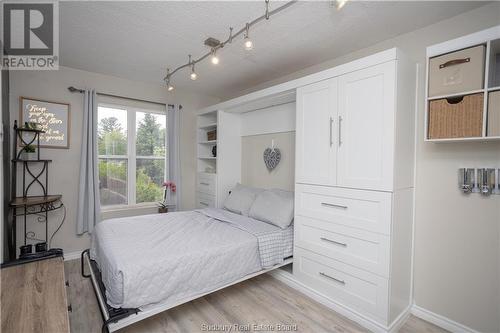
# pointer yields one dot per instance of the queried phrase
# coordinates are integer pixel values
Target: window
(132, 154)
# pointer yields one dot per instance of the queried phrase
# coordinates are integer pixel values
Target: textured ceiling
(139, 40)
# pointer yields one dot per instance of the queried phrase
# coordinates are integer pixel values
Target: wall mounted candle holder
(481, 180)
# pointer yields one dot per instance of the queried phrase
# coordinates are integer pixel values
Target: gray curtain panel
(89, 211)
(174, 161)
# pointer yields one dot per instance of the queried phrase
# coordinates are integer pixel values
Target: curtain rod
(73, 89)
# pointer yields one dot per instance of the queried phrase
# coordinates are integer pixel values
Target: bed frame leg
(82, 262)
(105, 327)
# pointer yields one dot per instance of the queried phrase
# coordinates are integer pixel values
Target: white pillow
(241, 199)
(273, 206)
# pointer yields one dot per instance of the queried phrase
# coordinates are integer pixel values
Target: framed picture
(51, 117)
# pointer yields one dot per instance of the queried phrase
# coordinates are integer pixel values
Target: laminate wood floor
(262, 300)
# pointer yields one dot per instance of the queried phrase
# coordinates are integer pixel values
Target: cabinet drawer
(356, 289)
(204, 200)
(206, 183)
(368, 210)
(359, 248)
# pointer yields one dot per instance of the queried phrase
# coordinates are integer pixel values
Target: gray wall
(64, 171)
(253, 170)
(457, 249)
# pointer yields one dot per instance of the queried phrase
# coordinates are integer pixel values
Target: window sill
(121, 208)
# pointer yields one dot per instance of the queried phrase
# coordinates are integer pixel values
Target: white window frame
(131, 156)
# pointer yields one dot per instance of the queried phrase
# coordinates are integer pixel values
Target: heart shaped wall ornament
(272, 158)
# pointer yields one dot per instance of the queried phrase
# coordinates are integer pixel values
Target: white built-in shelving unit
(490, 39)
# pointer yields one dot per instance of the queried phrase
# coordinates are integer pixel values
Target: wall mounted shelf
(448, 125)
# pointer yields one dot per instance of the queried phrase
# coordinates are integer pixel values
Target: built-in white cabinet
(315, 139)
(366, 127)
(354, 188)
(354, 174)
(345, 130)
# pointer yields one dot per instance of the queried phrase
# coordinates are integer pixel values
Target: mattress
(153, 259)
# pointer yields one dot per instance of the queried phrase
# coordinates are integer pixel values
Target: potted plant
(29, 153)
(163, 205)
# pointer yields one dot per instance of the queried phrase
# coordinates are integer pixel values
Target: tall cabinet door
(316, 141)
(366, 128)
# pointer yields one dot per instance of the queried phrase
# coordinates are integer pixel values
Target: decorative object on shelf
(209, 170)
(163, 205)
(214, 151)
(272, 157)
(52, 118)
(31, 125)
(35, 176)
(483, 180)
(212, 135)
(29, 153)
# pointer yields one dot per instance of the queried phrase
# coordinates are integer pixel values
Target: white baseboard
(367, 323)
(440, 321)
(72, 255)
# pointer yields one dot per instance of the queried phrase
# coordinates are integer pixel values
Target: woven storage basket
(212, 135)
(456, 117)
(494, 113)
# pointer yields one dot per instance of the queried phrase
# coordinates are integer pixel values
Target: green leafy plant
(29, 149)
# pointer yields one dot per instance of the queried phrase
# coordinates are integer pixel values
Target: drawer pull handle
(333, 205)
(454, 62)
(206, 184)
(203, 203)
(342, 282)
(333, 242)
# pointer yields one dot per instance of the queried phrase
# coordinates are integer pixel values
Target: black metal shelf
(21, 129)
(35, 179)
(30, 161)
(34, 200)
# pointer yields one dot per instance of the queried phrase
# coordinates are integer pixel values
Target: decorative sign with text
(51, 117)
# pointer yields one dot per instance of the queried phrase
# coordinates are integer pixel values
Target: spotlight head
(248, 44)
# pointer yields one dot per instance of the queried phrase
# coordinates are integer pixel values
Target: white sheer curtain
(88, 213)
(173, 150)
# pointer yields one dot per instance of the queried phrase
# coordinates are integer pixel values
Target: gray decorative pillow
(275, 207)
(241, 199)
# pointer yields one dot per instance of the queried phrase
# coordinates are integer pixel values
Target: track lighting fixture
(214, 59)
(215, 44)
(247, 41)
(193, 75)
(167, 81)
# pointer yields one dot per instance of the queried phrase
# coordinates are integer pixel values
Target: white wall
(457, 248)
(64, 170)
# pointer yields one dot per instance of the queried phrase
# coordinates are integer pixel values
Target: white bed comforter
(152, 259)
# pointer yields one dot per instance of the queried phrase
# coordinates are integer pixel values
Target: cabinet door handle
(206, 184)
(333, 242)
(333, 205)
(342, 282)
(203, 203)
(331, 129)
(340, 130)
